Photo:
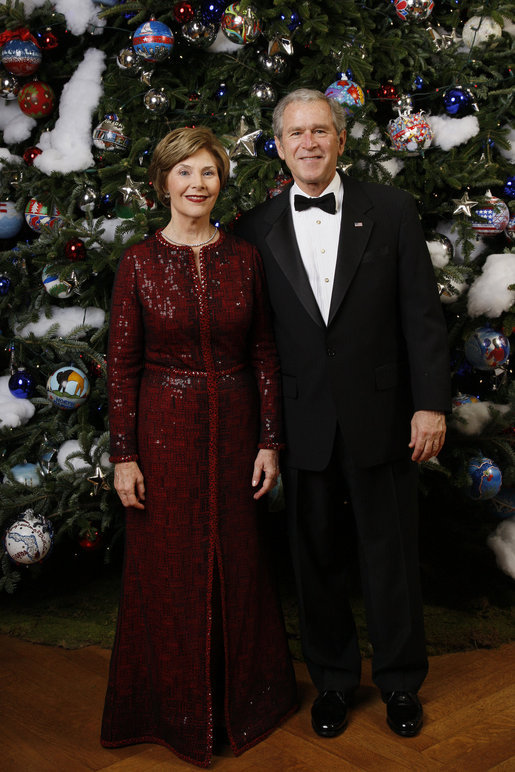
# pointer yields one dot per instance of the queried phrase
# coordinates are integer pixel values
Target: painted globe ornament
(9, 86)
(27, 474)
(36, 99)
(198, 34)
(413, 10)
(183, 12)
(153, 41)
(156, 101)
(129, 62)
(68, 387)
(479, 30)
(5, 285)
(509, 187)
(240, 26)
(55, 284)
(21, 57)
(11, 220)
(409, 132)
(30, 155)
(347, 93)
(458, 101)
(75, 250)
(264, 93)
(29, 539)
(491, 217)
(486, 478)
(110, 134)
(22, 384)
(37, 216)
(487, 348)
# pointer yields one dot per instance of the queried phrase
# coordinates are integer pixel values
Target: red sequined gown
(193, 393)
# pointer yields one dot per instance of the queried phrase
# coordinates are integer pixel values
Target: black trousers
(383, 504)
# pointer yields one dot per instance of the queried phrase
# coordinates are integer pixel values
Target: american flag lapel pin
(358, 224)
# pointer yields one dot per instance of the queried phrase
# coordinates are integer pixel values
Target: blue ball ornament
(486, 478)
(5, 286)
(509, 187)
(153, 41)
(293, 20)
(21, 384)
(418, 82)
(487, 348)
(270, 148)
(458, 101)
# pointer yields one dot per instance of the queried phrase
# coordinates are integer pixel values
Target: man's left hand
(427, 434)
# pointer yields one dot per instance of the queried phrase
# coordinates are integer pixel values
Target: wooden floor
(52, 702)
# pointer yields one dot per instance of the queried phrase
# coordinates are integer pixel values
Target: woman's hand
(266, 463)
(129, 484)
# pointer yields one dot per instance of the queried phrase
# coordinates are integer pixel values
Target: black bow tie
(327, 203)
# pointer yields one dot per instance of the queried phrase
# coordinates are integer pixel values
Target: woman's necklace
(200, 244)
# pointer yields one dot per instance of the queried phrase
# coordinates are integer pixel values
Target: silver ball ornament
(275, 65)
(264, 93)
(87, 199)
(196, 33)
(156, 101)
(129, 61)
(9, 86)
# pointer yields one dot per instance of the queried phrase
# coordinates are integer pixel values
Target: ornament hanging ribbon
(21, 33)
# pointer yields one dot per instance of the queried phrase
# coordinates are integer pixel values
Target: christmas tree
(87, 91)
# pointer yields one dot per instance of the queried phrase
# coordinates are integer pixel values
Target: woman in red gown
(195, 433)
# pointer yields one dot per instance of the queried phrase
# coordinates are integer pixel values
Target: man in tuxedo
(364, 360)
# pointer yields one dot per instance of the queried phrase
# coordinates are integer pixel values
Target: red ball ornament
(387, 92)
(183, 12)
(91, 541)
(36, 99)
(31, 154)
(75, 250)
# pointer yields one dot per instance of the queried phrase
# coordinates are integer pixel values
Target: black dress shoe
(403, 713)
(329, 713)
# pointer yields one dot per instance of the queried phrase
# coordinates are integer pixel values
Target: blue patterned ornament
(486, 478)
(29, 539)
(153, 41)
(347, 93)
(487, 348)
(56, 285)
(21, 384)
(11, 220)
(490, 218)
(21, 57)
(68, 387)
(27, 474)
(37, 216)
(239, 26)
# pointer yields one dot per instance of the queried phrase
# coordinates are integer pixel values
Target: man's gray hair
(308, 95)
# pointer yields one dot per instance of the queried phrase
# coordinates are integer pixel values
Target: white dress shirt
(318, 233)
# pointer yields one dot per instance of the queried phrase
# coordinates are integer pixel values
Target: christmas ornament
(413, 10)
(47, 40)
(21, 57)
(37, 216)
(68, 387)
(387, 92)
(30, 155)
(491, 217)
(281, 183)
(129, 62)
(347, 93)
(75, 249)
(198, 34)
(458, 101)
(486, 348)
(153, 41)
(270, 148)
(98, 481)
(91, 541)
(510, 228)
(240, 26)
(280, 45)
(183, 12)
(87, 199)
(21, 384)
(11, 220)
(486, 478)
(503, 503)
(418, 82)
(293, 20)
(276, 66)
(464, 205)
(56, 285)
(444, 248)
(244, 143)
(509, 187)
(451, 290)
(264, 93)
(440, 38)
(211, 11)
(109, 134)
(131, 191)
(5, 286)
(156, 101)
(47, 456)
(9, 86)
(26, 474)
(29, 539)
(479, 30)
(409, 132)
(463, 399)
(36, 99)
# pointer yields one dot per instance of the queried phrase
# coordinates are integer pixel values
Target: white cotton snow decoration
(510, 138)
(476, 416)
(502, 543)
(67, 147)
(480, 29)
(79, 463)
(66, 319)
(222, 44)
(13, 411)
(438, 253)
(450, 132)
(79, 14)
(489, 294)
(16, 126)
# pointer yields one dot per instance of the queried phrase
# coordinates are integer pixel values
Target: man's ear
(279, 147)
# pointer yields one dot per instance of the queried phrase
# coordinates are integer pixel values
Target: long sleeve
(125, 361)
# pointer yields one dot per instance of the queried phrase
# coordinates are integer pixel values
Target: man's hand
(427, 434)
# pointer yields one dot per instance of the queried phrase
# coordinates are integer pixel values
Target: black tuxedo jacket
(383, 353)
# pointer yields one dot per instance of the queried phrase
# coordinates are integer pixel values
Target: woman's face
(193, 185)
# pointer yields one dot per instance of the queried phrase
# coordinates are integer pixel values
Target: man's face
(310, 145)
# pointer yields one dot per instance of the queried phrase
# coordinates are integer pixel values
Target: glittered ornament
(198, 34)
(240, 26)
(487, 348)
(270, 148)
(36, 99)
(11, 220)
(490, 217)
(110, 134)
(55, 284)
(264, 93)
(5, 285)
(413, 10)
(21, 384)
(479, 30)
(21, 57)
(486, 478)
(29, 539)
(509, 187)
(75, 250)
(183, 12)
(129, 62)
(347, 93)
(30, 155)
(458, 101)
(27, 474)
(37, 216)
(153, 41)
(9, 86)
(156, 101)
(68, 387)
